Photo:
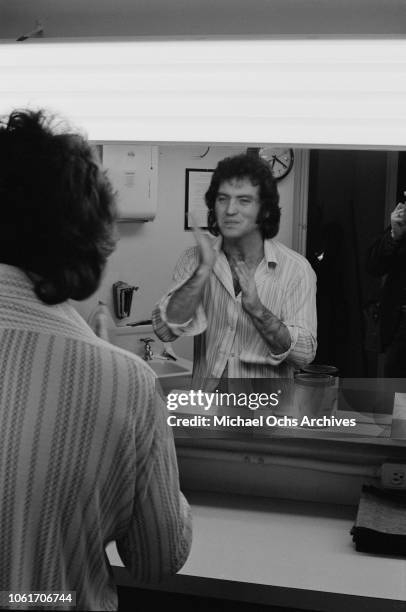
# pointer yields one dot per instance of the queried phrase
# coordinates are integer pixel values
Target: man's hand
(249, 294)
(398, 221)
(184, 301)
(207, 255)
(274, 332)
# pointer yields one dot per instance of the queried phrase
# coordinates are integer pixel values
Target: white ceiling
(270, 18)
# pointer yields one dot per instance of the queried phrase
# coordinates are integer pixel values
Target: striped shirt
(86, 456)
(226, 339)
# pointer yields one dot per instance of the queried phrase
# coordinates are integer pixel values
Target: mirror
(345, 199)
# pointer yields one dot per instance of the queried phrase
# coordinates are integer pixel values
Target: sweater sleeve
(166, 331)
(158, 538)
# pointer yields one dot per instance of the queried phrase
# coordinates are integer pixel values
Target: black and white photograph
(203, 305)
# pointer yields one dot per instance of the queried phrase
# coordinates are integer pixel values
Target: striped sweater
(86, 456)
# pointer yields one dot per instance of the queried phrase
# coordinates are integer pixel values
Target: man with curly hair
(86, 455)
(249, 300)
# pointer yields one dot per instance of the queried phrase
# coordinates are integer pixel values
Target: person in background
(387, 256)
(249, 300)
(86, 456)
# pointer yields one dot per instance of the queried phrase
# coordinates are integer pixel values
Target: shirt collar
(217, 243)
(22, 308)
(15, 284)
(270, 251)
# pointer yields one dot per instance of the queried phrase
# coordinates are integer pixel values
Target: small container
(100, 321)
(315, 395)
(320, 368)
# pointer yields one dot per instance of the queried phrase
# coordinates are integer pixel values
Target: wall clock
(280, 160)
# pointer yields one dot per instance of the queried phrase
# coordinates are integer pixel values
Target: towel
(380, 526)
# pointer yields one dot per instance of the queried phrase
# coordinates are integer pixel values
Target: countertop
(258, 542)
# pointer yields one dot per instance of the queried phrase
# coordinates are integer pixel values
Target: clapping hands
(207, 255)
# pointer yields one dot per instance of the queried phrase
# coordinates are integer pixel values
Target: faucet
(148, 354)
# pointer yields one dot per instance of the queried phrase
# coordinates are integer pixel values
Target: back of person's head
(57, 207)
(252, 167)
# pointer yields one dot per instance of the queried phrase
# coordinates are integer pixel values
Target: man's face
(237, 207)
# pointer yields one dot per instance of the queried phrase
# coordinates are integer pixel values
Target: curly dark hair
(58, 209)
(259, 173)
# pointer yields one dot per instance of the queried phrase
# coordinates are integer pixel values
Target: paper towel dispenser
(133, 172)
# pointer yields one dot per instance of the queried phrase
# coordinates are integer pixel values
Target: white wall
(147, 252)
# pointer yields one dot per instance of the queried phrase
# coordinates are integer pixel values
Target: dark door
(346, 212)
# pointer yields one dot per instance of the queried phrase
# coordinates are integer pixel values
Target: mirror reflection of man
(249, 300)
(387, 256)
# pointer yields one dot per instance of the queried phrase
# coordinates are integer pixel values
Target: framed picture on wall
(196, 184)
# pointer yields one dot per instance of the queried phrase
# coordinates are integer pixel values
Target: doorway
(346, 213)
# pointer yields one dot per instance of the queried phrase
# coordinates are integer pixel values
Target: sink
(168, 368)
(128, 338)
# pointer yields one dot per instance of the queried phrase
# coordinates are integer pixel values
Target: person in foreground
(387, 257)
(86, 456)
(249, 300)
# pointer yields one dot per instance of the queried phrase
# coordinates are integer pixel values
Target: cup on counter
(319, 368)
(315, 395)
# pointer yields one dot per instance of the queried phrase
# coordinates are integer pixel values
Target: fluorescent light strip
(320, 92)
